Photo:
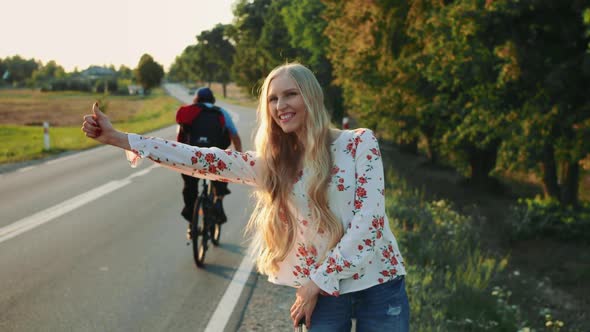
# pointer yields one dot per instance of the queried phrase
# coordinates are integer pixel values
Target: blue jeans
(380, 308)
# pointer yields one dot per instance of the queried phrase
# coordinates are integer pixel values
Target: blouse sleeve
(209, 163)
(356, 248)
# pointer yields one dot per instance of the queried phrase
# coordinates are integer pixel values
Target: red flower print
(298, 268)
(368, 242)
(386, 254)
(346, 263)
(380, 280)
(331, 261)
(173, 145)
(304, 222)
(379, 234)
(369, 157)
(194, 160)
(340, 187)
(393, 272)
(198, 154)
(341, 180)
(355, 276)
(245, 157)
(309, 261)
(252, 163)
(362, 180)
(212, 169)
(302, 251)
(385, 273)
(336, 293)
(295, 273)
(329, 270)
(335, 170)
(375, 223)
(339, 268)
(349, 147)
(360, 247)
(313, 251)
(210, 157)
(361, 192)
(221, 165)
(358, 204)
(393, 260)
(375, 152)
(228, 152)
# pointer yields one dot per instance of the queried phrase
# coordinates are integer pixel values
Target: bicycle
(204, 225)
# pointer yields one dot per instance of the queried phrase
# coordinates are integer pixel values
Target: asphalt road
(89, 244)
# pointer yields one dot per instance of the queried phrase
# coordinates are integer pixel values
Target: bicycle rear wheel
(199, 235)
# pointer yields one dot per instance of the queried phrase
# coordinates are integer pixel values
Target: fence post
(46, 143)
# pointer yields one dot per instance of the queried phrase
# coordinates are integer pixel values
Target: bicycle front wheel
(199, 235)
(216, 234)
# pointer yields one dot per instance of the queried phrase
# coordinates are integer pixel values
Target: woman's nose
(280, 103)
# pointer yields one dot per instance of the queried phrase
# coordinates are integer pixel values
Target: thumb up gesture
(98, 126)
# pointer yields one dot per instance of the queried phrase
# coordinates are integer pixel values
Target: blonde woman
(319, 224)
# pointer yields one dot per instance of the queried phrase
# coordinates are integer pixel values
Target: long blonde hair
(282, 155)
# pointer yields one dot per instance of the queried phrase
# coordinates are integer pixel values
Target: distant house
(135, 90)
(98, 72)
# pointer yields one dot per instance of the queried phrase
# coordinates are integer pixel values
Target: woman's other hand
(98, 126)
(306, 298)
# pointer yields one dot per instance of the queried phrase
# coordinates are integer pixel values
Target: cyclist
(190, 118)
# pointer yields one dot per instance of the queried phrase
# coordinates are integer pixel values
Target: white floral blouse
(366, 255)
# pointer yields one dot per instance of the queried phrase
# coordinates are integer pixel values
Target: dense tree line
(17, 72)
(488, 84)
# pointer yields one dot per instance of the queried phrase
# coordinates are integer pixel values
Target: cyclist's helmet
(204, 95)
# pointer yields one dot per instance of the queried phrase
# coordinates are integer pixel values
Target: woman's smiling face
(286, 104)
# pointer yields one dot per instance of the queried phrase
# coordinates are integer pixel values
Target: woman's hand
(306, 298)
(98, 126)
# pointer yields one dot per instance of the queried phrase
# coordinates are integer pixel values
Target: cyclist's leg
(220, 190)
(189, 195)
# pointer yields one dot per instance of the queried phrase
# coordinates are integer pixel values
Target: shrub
(449, 278)
(547, 217)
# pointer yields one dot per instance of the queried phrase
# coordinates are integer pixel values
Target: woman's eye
(271, 99)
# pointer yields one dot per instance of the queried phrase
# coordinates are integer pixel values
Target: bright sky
(80, 33)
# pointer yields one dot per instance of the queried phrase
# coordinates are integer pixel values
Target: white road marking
(24, 169)
(47, 215)
(226, 306)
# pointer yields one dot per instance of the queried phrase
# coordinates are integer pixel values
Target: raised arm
(211, 163)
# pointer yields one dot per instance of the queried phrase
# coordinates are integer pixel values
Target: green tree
(148, 73)
(216, 49)
(20, 69)
(249, 66)
(50, 71)
(550, 63)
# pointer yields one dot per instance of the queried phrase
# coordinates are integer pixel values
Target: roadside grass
(21, 142)
(451, 281)
(464, 271)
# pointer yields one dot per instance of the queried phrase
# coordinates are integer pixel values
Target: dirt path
(544, 275)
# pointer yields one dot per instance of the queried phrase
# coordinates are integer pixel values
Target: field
(22, 113)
